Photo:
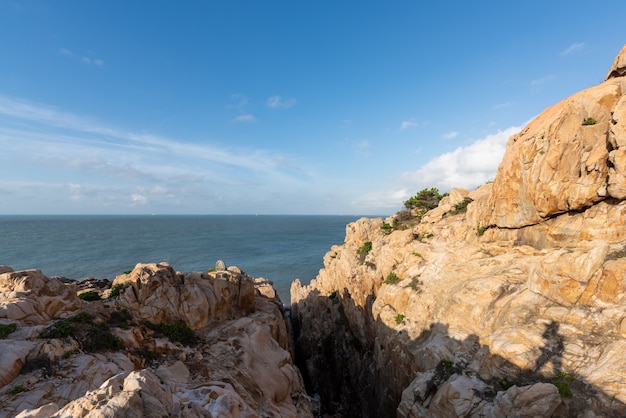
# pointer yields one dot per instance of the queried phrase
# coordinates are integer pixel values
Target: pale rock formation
(527, 288)
(29, 297)
(240, 366)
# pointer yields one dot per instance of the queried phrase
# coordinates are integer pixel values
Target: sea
(280, 248)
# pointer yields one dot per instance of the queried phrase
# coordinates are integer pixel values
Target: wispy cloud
(407, 124)
(575, 47)
(89, 61)
(247, 118)
(450, 135)
(66, 52)
(275, 102)
(502, 105)
(237, 101)
(541, 81)
(89, 162)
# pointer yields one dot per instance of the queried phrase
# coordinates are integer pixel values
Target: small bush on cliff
(589, 121)
(399, 318)
(562, 381)
(461, 207)
(115, 290)
(392, 278)
(177, 332)
(5, 330)
(90, 296)
(363, 251)
(92, 337)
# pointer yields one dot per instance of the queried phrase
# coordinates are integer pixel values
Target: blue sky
(276, 107)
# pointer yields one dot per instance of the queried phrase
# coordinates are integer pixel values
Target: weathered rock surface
(498, 311)
(116, 358)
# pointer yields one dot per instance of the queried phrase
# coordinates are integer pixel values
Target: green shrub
(363, 251)
(562, 381)
(589, 121)
(90, 296)
(416, 284)
(399, 318)
(563, 388)
(481, 230)
(445, 363)
(461, 207)
(505, 383)
(17, 389)
(120, 318)
(99, 338)
(92, 337)
(392, 278)
(425, 199)
(387, 228)
(41, 362)
(115, 290)
(177, 332)
(5, 330)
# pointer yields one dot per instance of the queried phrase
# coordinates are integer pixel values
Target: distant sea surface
(279, 248)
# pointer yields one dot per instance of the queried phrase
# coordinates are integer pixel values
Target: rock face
(516, 307)
(159, 343)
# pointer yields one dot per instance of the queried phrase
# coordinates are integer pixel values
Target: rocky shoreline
(508, 300)
(154, 343)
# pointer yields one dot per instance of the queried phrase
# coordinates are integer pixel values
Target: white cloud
(98, 62)
(408, 124)
(502, 105)
(450, 135)
(576, 46)
(86, 60)
(244, 119)
(542, 80)
(66, 52)
(237, 101)
(465, 167)
(61, 149)
(275, 102)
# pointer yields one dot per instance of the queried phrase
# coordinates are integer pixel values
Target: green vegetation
(211, 269)
(505, 383)
(387, 228)
(481, 230)
(399, 318)
(117, 289)
(562, 381)
(17, 389)
(41, 362)
(5, 330)
(67, 354)
(416, 254)
(177, 332)
(81, 327)
(425, 199)
(90, 296)
(424, 236)
(461, 207)
(416, 284)
(127, 271)
(445, 363)
(589, 121)
(392, 278)
(363, 251)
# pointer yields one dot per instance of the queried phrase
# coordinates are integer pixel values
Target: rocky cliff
(157, 343)
(509, 300)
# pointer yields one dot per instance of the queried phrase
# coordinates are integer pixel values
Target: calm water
(279, 248)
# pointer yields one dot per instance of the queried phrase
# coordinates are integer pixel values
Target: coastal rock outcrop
(156, 343)
(508, 300)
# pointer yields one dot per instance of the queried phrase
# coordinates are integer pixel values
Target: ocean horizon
(280, 248)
